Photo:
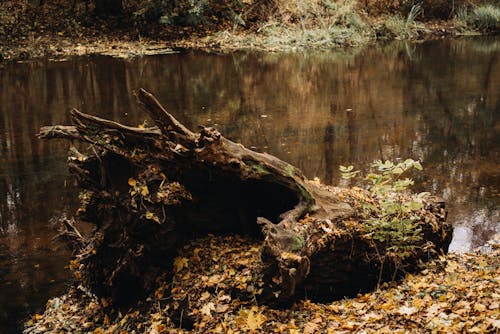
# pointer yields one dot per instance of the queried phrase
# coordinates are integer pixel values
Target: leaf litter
(215, 286)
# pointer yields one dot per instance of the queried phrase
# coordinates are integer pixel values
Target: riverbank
(57, 30)
(69, 311)
(456, 293)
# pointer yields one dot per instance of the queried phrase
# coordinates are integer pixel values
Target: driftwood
(149, 190)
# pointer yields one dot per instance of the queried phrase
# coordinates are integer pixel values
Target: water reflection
(438, 102)
(32, 174)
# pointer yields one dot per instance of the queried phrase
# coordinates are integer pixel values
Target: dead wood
(149, 190)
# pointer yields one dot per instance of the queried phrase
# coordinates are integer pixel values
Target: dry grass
(246, 24)
(295, 24)
(486, 18)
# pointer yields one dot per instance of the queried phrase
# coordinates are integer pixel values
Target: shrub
(187, 13)
(430, 9)
(486, 18)
(297, 24)
(390, 215)
(11, 13)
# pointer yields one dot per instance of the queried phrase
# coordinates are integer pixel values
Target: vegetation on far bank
(50, 27)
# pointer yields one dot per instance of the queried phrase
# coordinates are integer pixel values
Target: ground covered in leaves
(214, 289)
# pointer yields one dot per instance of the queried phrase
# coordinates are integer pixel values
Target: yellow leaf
(255, 319)
(180, 263)
(479, 307)
(418, 303)
(160, 328)
(152, 216)
(144, 191)
(386, 306)
(132, 182)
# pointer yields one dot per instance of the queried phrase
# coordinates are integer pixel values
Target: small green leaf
(398, 171)
(345, 169)
(414, 206)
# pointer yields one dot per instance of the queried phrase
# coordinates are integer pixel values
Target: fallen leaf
(255, 319)
(132, 182)
(204, 296)
(405, 310)
(479, 307)
(207, 309)
(221, 308)
(310, 327)
(180, 263)
(214, 279)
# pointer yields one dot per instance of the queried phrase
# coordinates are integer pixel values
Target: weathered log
(148, 190)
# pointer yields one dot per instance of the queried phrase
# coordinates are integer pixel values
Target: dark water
(438, 102)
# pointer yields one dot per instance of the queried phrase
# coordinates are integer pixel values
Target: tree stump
(149, 190)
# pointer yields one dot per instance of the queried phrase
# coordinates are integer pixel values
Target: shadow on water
(438, 102)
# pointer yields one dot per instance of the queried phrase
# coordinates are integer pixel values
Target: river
(437, 101)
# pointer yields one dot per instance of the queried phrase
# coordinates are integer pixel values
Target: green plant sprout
(389, 214)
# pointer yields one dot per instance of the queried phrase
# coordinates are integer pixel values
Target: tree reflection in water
(438, 102)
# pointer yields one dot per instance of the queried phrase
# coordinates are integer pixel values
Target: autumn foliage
(213, 288)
